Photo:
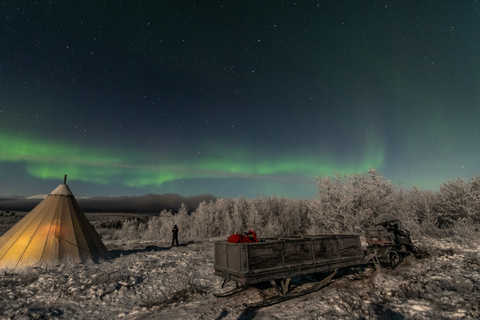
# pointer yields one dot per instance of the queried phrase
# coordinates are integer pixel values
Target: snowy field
(151, 280)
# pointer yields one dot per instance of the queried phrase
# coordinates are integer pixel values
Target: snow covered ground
(151, 280)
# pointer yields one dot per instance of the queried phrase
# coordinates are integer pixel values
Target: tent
(54, 230)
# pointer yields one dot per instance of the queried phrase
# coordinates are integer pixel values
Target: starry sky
(236, 98)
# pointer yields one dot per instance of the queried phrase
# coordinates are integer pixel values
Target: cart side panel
(220, 249)
(349, 246)
(265, 255)
(325, 248)
(235, 257)
(298, 252)
(249, 263)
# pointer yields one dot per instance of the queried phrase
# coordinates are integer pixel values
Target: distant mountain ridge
(149, 203)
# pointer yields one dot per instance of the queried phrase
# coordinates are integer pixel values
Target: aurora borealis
(235, 98)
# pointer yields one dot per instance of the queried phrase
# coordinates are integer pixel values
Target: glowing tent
(54, 230)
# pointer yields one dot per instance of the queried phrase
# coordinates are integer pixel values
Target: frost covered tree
(239, 213)
(459, 199)
(331, 207)
(294, 217)
(351, 203)
(415, 209)
(205, 223)
(184, 222)
(255, 219)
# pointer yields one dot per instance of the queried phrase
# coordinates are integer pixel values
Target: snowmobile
(389, 242)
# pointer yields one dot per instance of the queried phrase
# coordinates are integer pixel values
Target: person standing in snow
(174, 235)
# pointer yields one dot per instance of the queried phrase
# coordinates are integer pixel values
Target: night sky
(236, 98)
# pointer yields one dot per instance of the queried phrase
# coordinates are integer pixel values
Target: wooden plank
(325, 249)
(265, 256)
(234, 258)
(349, 246)
(283, 273)
(250, 263)
(298, 252)
(220, 254)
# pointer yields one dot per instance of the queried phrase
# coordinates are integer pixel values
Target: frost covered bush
(415, 209)
(268, 216)
(351, 203)
(345, 204)
(463, 230)
(160, 227)
(208, 220)
(9, 219)
(131, 229)
(457, 200)
(154, 226)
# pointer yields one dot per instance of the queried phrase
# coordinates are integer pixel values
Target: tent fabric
(54, 230)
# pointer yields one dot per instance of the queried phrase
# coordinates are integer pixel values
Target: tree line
(345, 204)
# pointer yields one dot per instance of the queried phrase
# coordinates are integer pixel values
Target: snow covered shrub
(464, 230)
(213, 218)
(131, 229)
(458, 199)
(294, 217)
(254, 219)
(153, 227)
(205, 222)
(271, 216)
(320, 219)
(8, 221)
(345, 204)
(271, 229)
(351, 203)
(415, 209)
(239, 213)
(161, 227)
(106, 234)
(183, 220)
(268, 216)
(232, 222)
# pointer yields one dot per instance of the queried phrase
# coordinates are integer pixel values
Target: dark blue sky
(235, 98)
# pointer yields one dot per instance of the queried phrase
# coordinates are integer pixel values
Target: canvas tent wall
(54, 230)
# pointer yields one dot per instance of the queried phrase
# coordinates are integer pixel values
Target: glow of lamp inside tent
(56, 228)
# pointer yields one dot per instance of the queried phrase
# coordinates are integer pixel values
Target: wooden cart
(283, 258)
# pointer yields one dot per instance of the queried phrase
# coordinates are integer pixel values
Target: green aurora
(50, 160)
(236, 98)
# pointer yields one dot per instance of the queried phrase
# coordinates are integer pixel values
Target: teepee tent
(54, 230)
